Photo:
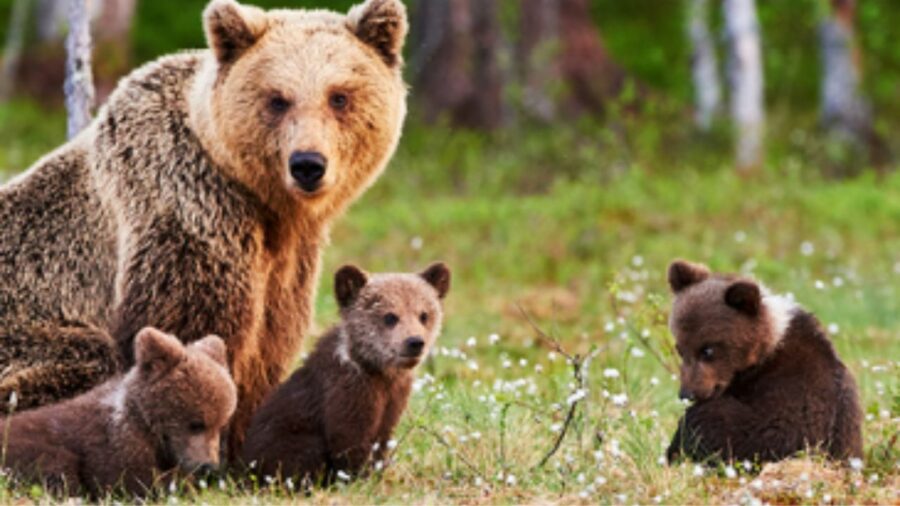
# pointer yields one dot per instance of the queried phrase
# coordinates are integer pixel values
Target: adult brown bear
(199, 199)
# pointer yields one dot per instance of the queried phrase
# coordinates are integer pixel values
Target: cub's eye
(391, 319)
(707, 353)
(196, 427)
(278, 104)
(423, 318)
(338, 101)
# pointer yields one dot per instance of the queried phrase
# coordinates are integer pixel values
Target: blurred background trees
(496, 65)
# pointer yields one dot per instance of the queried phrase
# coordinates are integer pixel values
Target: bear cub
(341, 407)
(165, 416)
(764, 377)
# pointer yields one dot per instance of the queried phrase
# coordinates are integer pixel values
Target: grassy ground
(575, 228)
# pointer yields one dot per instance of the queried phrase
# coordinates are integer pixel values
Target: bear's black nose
(308, 168)
(685, 394)
(413, 346)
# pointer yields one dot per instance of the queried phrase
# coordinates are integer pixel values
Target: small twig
(440, 439)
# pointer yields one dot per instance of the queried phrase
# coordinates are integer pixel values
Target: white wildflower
(416, 243)
(494, 338)
(856, 464)
(833, 328)
(343, 476)
(637, 352)
(730, 473)
(698, 470)
(807, 248)
(511, 480)
(391, 444)
(473, 365)
(610, 373)
(576, 396)
(637, 260)
(471, 342)
(620, 399)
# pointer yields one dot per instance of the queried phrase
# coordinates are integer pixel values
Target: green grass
(575, 227)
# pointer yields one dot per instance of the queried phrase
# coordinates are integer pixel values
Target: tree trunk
(843, 108)
(704, 65)
(12, 52)
(538, 57)
(590, 76)
(455, 69)
(746, 80)
(79, 86)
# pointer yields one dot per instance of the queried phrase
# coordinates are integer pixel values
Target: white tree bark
(79, 86)
(704, 65)
(843, 108)
(746, 80)
(12, 52)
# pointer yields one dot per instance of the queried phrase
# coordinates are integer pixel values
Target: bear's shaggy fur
(199, 199)
(165, 415)
(765, 379)
(341, 407)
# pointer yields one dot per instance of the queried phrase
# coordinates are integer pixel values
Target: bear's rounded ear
(438, 276)
(348, 281)
(156, 351)
(381, 24)
(231, 28)
(683, 274)
(744, 296)
(214, 347)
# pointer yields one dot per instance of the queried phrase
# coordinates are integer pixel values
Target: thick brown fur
(164, 417)
(340, 409)
(764, 376)
(177, 207)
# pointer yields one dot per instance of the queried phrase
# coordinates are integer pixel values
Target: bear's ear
(348, 281)
(156, 351)
(214, 347)
(232, 28)
(381, 24)
(745, 297)
(683, 274)
(438, 276)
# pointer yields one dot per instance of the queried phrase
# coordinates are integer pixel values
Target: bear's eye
(278, 104)
(338, 101)
(391, 319)
(196, 427)
(423, 318)
(707, 353)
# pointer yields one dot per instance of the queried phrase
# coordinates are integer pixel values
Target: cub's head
(183, 395)
(390, 321)
(304, 106)
(723, 324)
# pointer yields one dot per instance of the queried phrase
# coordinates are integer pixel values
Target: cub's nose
(307, 169)
(413, 346)
(685, 394)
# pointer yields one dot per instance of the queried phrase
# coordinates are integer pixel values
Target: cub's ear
(156, 351)
(348, 281)
(438, 276)
(745, 297)
(214, 347)
(231, 28)
(683, 274)
(381, 24)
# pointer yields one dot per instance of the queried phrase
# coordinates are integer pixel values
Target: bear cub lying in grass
(765, 380)
(341, 407)
(164, 416)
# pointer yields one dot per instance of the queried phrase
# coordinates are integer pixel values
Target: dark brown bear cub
(765, 380)
(341, 407)
(165, 415)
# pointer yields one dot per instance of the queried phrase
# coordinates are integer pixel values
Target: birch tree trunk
(746, 80)
(79, 85)
(12, 52)
(704, 65)
(843, 109)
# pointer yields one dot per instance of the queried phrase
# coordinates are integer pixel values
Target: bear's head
(304, 107)
(183, 396)
(723, 324)
(390, 321)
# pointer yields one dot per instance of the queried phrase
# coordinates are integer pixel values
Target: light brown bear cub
(341, 407)
(765, 380)
(165, 415)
